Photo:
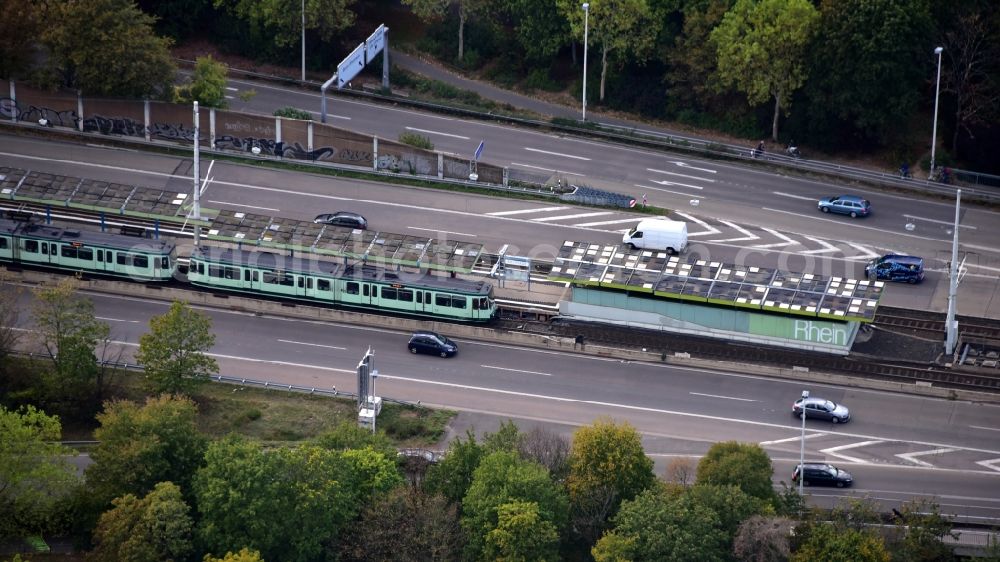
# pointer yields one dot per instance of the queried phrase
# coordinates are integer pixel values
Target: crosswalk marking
(747, 235)
(708, 229)
(787, 241)
(910, 456)
(600, 223)
(827, 247)
(526, 211)
(834, 451)
(577, 216)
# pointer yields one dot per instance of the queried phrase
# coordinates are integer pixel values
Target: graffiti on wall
(408, 164)
(114, 126)
(9, 109)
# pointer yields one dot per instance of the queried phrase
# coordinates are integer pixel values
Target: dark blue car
(894, 267)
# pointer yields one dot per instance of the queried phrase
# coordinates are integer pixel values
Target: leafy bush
(293, 113)
(415, 140)
(539, 79)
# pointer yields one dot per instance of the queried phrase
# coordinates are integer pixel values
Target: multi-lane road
(898, 446)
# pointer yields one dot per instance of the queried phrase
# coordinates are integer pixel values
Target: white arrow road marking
(833, 451)
(576, 216)
(790, 439)
(866, 252)
(525, 211)
(708, 229)
(665, 182)
(990, 464)
(827, 247)
(747, 235)
(787, 241)
(910, 456)
(686, 165)
(654, 170)
(436, 133)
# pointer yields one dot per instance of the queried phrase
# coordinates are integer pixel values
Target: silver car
(821, 408)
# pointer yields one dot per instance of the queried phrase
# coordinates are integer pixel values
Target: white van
(658, 234)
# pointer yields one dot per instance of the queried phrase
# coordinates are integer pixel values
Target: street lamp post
(586, 29)
(802, 444)
(303, 40)
(937, 93)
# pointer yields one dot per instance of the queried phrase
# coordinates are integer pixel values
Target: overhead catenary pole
(951, 326)
(197, 175)
(303, 40)
(937, 94)
(802, 443)
(586, 29)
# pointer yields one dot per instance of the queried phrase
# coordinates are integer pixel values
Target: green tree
(140, 446)
(607, 465)
(207, 86)
(761, 45)
(923, 529)
(10, 311)
(869, 62)
(20, 25)
(539, 27)
(521, 535)
(373, 473)
(286, 502)
(349, 435)
(971, 68)
(173, 351)
(35, 476)
(503, 478)
(732, 504)
(453, 475)
(662, 524)
(281, 20)
(405, 525)
(244, 555)
(623, 29)
(156, 527)
(70, 333)
(692, 76)
(431, 10)
(107, 47)
(745, 465)
(830, 544)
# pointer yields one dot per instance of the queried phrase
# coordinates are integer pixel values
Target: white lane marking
(802, 197)
(655, 171)
(231, 89)
(910, 456)
(747, 235)
(986, 428)
(526, 211)
(686, 165)
(515, 370)
(442, 231)
(708, 229)
(229, 97)
(990, 464)
(242, 205)
(607, 222)
(833, 450)
(681, 193)
(556, 154)
(866, 252)
(841, 223)
(790, 439)
(827, 247)
(723, 397)
(437, 133)
(548, 169)
(344, 117)
(313, 344)
(949, 223)
(576, 216)
(116, 319)
(665, 182)
(787, 241)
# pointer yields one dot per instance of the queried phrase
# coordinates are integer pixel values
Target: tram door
(103, 260)
(424, 301)
(369, 292)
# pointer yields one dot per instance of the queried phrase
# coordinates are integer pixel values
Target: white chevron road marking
(790, 439)
(576, 216)
(526, 211)
(654, 170)
(827, 247)
(834, 451)
(910, 456)
(787, 241)
(747, 235)
(705, 225)
(990, 464)
(866, 252)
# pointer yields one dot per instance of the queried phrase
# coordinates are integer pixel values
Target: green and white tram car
(72, 250)
(355, 286)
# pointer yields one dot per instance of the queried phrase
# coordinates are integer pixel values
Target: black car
(342, 218)
(895, 267)
(822, 475)
(433, 343)
(821, 408)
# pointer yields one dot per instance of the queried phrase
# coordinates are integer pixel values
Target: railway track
(932, 324)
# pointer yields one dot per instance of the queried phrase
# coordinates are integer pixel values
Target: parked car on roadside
(822, 475)
(822, 409)
(851, 205)
(895, 267)
(342, 218)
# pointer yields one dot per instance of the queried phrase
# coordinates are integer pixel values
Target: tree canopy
(830, 544)
(156, 527)
(744, 465)
(281, 20)
(173, 352)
